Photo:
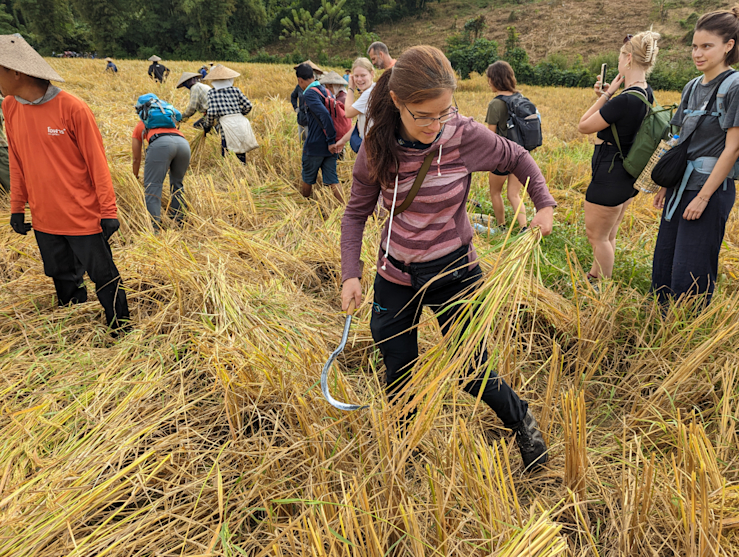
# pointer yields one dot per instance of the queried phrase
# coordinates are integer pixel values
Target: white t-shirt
(361, 106)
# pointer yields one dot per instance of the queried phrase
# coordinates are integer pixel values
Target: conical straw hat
(185, 76)
(221, 72)
(332, 78)
(312, 65)
(155, 58)
(16, 54)
(108, 59)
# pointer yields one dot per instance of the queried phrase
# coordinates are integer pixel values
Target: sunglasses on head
(628, 38)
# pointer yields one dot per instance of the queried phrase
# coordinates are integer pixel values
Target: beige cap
(155, 58)
(312, 65)
(332, 78)
(221, 72)
(186, 76)
(16, 54)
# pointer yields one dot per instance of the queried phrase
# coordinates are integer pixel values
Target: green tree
(364, 38)
(314, 34)
(7, 21)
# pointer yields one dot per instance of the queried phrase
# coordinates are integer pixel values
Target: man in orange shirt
(58, 167)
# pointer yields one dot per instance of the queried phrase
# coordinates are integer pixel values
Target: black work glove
(206, 129)
(109, 227)
(18, 223)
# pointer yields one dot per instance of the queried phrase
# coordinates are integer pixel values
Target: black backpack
(524, 124)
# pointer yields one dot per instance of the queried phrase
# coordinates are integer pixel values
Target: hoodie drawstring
(438, 162)
(390, 224)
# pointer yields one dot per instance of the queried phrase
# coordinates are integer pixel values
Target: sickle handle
(351, 308)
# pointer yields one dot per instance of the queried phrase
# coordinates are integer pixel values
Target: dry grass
(203, 432)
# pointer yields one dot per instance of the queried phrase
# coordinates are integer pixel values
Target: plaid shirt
(198, 100)
(228, 100)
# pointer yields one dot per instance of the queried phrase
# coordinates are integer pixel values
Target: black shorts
(613, 188)
(499, 173)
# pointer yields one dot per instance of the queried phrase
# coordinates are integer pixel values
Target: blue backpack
(156, 113)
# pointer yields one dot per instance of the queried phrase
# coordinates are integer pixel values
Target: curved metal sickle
(324, 374)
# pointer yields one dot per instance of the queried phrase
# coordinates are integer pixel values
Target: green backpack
(654, 128)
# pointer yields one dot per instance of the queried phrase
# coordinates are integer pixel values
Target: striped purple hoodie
(436, 222)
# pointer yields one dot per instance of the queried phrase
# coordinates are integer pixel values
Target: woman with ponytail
(415, 120)
(695, 212)
(611, 188)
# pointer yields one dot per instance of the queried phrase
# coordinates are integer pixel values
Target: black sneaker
(530, 442)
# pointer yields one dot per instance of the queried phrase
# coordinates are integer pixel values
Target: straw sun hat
(312, 65)
(155, 58)
(108, 59)
(185, 77)
(16, 54)
(221, 72)
(332, 78)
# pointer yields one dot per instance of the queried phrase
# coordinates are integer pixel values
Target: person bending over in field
(695, 212)
(58, 167)
(611, 188)
(228, 106)
(198, 97)
(502, 82)
(168, 151)
(415, 118)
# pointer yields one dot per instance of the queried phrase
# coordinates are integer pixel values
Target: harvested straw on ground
(203, 432)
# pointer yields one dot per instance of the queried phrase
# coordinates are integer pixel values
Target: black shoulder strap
(416, 184)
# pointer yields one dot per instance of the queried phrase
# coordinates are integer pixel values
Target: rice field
(204, 433)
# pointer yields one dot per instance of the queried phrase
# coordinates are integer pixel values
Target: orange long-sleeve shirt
(58, 166)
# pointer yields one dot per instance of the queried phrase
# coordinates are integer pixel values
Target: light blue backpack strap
(692, 85)
(721, 96)
(671, 206)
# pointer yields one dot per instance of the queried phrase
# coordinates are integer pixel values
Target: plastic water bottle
(674, 140)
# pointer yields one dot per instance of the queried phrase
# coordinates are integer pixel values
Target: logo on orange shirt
(56, 132)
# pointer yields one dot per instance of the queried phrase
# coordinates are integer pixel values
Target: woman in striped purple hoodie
(414, 115)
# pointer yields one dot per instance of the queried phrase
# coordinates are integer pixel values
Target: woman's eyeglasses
(425, 121)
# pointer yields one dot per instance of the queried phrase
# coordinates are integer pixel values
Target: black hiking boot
(530, 442)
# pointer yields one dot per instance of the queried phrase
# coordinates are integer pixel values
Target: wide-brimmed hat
(332, 78)
(186, 76)
(154, 58)
(17, 55)
(221, 72)
(312, 65)
(108, 59)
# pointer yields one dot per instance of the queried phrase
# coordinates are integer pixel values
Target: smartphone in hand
(603, 68)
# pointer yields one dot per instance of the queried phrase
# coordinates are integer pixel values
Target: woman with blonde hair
(612, 188)
(361, 80)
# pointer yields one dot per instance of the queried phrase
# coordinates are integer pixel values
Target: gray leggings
(166, 153)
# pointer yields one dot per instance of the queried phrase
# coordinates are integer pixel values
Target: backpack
(654, 128)
(524, 124)
(342, 124)
(156, 113)
(720, 97)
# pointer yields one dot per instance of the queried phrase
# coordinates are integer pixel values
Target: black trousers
(224, 148)
(395, 315)
(66, 258)
(686, 253)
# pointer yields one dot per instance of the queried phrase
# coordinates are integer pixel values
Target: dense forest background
(190, 29)
(548, 42)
